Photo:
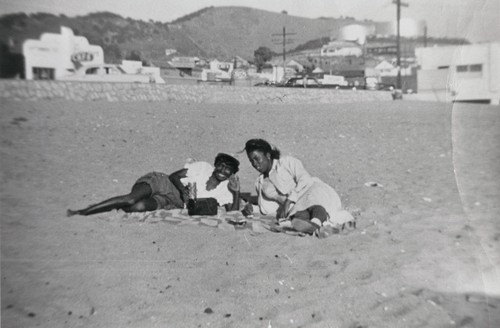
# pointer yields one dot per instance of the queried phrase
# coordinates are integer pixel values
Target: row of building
(454, 73)
(467, 72)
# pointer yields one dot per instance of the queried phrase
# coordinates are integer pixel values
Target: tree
(134, 55)
(11, 64)
(262, 55)
(112, 53)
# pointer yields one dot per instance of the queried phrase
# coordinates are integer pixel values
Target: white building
(57, 55)
(460, 73)
(169, 52)
(135, 67)
(341, 49)
(219, 71)
(384, 68)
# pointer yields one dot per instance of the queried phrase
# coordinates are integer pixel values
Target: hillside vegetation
(212, 32)
(221, 32)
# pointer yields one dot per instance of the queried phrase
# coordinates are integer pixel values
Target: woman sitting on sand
(156, 190)
(285, 189)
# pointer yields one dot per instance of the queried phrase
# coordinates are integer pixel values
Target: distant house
(295, 65)
(184, 64)
(240, 62)
(349, 66)
(341, 49)
(291, 65)
(460, 73)
(135, 67)
(385, 68)
(216, 65)
(277, 73)
(56, 55)
(218, 71)
(318, 70)
(169, 52)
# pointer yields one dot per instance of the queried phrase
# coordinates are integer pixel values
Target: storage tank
(408, 28)
(355, 32)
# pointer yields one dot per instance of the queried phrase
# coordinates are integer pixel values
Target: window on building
(43, 73)
(473, 70)
(476, 68)
(112, 71)
(92, 71)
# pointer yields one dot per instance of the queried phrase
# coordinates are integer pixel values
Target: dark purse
(202, 206)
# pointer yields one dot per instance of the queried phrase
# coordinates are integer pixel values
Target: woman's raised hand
(234, 183)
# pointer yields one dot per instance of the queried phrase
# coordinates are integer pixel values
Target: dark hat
(228, 160)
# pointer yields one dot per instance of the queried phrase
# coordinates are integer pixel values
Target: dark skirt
(166, 195)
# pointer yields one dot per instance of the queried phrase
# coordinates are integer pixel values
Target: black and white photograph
(230, 163)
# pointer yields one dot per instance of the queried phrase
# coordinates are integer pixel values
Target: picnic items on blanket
(200, 206)
(231, 221)
(236, 221)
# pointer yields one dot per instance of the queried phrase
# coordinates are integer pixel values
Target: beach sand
(425, 252)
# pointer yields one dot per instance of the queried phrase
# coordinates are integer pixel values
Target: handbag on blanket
(202, 206)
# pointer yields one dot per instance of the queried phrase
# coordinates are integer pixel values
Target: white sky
(476, 20)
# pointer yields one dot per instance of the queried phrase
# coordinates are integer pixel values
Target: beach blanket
(230, 221)
(223, 220)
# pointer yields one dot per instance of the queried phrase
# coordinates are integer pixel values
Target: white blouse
(199, 173)
(287, 179)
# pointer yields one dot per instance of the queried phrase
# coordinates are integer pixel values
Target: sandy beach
(425, 252)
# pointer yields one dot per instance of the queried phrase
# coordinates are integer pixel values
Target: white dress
(289, 180)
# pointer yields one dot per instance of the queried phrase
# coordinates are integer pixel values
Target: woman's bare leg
(140, 191)
(310, 219)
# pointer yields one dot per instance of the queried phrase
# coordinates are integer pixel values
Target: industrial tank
(355, 32)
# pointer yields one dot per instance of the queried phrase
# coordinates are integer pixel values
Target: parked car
(298, 82)
(386, 87)
(334, 81)
(372, 83)
(266, 83)
(109, 73)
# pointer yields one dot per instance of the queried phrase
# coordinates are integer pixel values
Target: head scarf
(263, 146)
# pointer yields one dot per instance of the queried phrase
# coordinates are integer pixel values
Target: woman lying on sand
(156, 190)
(285, 189)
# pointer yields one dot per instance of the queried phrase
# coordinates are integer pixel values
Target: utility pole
(284, 42)
(425, 35)
(399, 4)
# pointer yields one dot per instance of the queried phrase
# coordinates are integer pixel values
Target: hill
(221, 32)
(229, 31)
(212, 32)
(117, 35)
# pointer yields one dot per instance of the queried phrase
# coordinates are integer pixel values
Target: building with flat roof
(57, 55)
(460, 73)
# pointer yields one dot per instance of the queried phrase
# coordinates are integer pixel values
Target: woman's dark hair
(228, 160)
(263, 146)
